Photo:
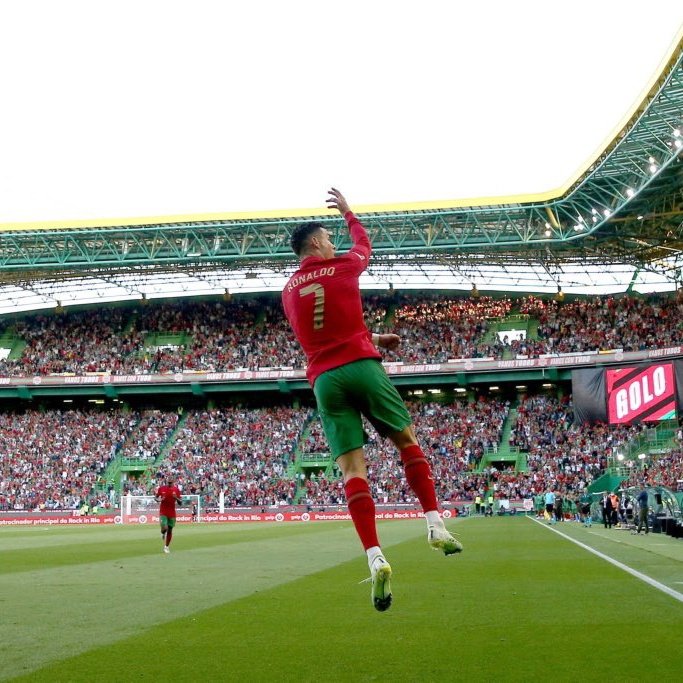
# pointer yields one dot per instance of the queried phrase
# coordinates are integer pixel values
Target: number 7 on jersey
(318, 292)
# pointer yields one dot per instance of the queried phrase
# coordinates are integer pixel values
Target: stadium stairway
(129, 325)
(532, 329)
(605, 482)
(390, 317)
(298, 449)
(111, 476)
(303, 461)
(504, 452)
(112, 473)
(510, 421)
(163, 451)
(15, 344)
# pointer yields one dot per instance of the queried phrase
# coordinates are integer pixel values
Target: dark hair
(301, 234)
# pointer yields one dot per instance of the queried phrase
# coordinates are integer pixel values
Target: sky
(125, 109)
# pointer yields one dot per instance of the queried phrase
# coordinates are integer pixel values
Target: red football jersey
(168, 494)
(323, 305)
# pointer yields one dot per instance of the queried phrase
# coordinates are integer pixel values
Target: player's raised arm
(336, 200)
(359, 237)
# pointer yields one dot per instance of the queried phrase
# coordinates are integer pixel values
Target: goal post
(145, 510)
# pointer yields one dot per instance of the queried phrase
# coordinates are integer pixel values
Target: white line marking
(595, 533)
(633, 572)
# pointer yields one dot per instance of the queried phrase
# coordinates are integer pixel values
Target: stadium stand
(259, 457)
(52, 459)
(243, 452)
(252, 334)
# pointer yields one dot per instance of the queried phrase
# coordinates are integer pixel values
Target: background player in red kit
(323, 305)
(168, 496)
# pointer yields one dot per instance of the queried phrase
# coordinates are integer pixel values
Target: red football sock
(419, 476)
(362, 509)
(169, 536)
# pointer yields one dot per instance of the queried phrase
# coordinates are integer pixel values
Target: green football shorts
(167, 521)
(360, 388)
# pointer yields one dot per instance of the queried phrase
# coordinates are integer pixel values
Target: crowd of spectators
(435, 329)
(454, 436)
(73, 343)
(663, 470)
(253, 334)
(561, 456)
(222, 336)
(314, 441)
(150, 434)
(53, 459)
(243, 452)
(600, 323)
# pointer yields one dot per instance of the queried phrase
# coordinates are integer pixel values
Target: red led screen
(641, 394)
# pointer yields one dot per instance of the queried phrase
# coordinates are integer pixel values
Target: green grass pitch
(262, 602)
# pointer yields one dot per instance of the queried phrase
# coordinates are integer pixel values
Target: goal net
(145, 510)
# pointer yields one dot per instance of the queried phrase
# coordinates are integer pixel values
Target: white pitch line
(633, 572)
(594, 533)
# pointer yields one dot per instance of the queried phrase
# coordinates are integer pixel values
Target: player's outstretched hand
(337, 201)
(389, 341)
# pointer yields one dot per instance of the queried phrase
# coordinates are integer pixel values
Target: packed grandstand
(266, 450)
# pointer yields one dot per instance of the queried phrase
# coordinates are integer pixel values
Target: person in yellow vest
(477, 504)
(489, 505)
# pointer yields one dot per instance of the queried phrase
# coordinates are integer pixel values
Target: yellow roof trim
(274, 214)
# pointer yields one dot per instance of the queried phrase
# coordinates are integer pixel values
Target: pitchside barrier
(152, 518)
(289, 513)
